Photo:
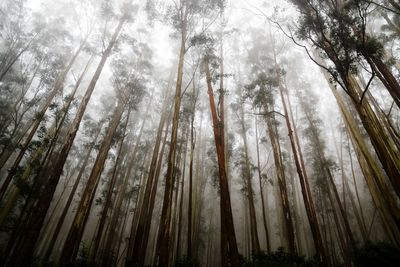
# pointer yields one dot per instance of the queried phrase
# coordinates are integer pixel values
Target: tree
(183, 19)
(130, 91)
(337, 44)
(43, 204)
(226, 207)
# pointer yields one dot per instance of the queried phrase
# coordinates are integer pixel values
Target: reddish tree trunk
(223, 181)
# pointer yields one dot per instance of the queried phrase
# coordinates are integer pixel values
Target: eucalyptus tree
(129, 86)
(15, 33)
(227, 225)
(36, 221)
(338, 30)
(246, 168)
(41, 150)
(261, 91)
(184, 17)
(138, 240)
(53, 71)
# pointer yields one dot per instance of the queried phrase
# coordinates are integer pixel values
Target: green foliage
(372, 47)
(340, 33)
(260, 90)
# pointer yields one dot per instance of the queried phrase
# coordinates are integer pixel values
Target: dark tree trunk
(40, 210)
(71, 246)
(223, 180)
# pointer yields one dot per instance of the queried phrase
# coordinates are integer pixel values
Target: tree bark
(43, 204)
(280, 172)
(36, 123)
(136, 252)
(163, 243)
(107, 201)
(255, 243)
(264, 203)
(223, 181)
(71, 245)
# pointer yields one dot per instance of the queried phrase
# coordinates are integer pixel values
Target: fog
(199, 133)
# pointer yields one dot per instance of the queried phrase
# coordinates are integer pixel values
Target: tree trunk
(163, 243)
(107, 201)
(71, 246)
(43, 204)
(264, 203)
(274, 139)
(189, 251)
(61, 220)
(303, 178)
(223, 181)
(136, 251)
(35, 125)
(255, 243)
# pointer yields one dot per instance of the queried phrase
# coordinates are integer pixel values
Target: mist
(199, 133)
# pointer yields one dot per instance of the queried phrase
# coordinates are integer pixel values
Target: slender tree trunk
(107, 201)
(255, 243)
(287, 216)
(149, 212)
(71, 246)
(61, 220)
(35, 124)
(136, 252)
(163, 243)
(264, 203)
(179, 211)
(43, 204)
(189, 251)
(301, 171)
(223, 181)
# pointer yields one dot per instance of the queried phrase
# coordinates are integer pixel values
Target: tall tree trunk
(36, 123)
(223, 181)
(264, 203)
(303, 178)
(136, 251)
(148, 218)
(178, 211)
(107, 201)
(71, 245)
(63, 215)
(189, 251)
(255, 243)
(26, 248)
(163, 243)
(280, 172)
